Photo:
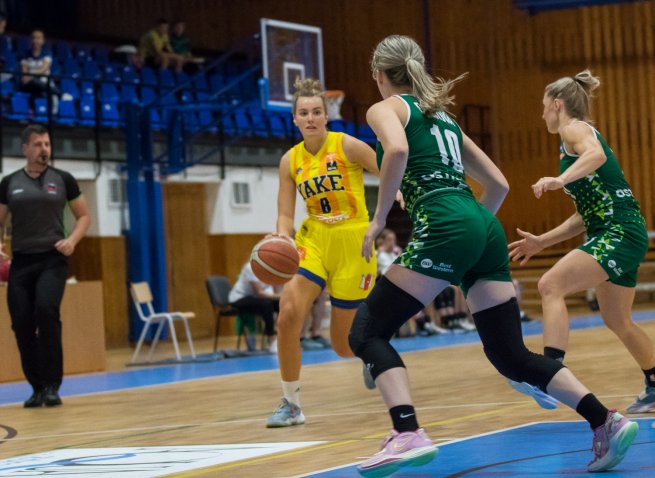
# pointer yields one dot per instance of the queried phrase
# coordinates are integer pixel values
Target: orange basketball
(274, 260)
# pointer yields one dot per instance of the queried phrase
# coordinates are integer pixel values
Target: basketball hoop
(334, 98)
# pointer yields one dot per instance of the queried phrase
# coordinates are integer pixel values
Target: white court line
(261, 420)
(459, 440)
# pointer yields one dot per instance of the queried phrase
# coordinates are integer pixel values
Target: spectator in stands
(36, 70)
(312, 339)
(180, 43)
(155, 48)
(252, 296)
(387, 250)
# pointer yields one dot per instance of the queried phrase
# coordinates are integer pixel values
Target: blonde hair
(308, 87)
(402, 60)
(575, 92)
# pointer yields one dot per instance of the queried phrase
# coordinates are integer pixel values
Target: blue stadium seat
(186, 96)
(216, 81)
(5, 44)
(200, 81)
(87, 111)
(87, 89)
(109, 93)
(109, 116)
(366, 134)
(260, 124)
(83, 52)
(62, 50)
(183, 79)
(101, 54)
(155, 120)
(148, 76)
(338, 126)
(11, 63)
(148, 95)
(40, 110)
(90, 70)
(207, 121)
(229, 124)
(22, 45)
(55, 67)
(279, 127)
(7, 87)
(166, 78)
(242, 123)
(128, 94)
(71, 69)
(19, 107)
(111, 72)
(70, 87)
(130, 76)
(67, 113)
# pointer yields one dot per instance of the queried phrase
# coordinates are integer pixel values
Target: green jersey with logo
(604, 195)
(435, 159)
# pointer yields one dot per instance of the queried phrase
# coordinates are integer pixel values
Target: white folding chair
(142, 297)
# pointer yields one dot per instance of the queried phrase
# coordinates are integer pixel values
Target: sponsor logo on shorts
(426, 263)
(365, 283)
(612, 265)
(444, 267)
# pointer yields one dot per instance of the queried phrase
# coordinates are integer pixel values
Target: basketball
(274, 260)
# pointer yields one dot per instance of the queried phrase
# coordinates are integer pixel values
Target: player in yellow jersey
(326, 168)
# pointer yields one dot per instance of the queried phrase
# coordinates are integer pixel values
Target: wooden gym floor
(456, 392)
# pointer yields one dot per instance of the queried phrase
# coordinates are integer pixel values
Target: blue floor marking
(533, 450)
(11, 393)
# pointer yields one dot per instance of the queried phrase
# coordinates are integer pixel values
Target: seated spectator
(180, 43)
(387, 250)
(311, 338)
(36, 70)
(452, 310)
(155, 48)
(252, 296)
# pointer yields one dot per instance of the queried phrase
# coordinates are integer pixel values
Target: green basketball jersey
(435, 160)
(604, 195)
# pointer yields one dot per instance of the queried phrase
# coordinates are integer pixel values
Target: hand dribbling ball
(274, 260)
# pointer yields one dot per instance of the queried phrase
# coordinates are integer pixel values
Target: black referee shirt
(37, 208)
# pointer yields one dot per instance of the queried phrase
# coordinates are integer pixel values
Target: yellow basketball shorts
(330, 255)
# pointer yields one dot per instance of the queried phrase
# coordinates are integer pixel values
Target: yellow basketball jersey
(331, 185)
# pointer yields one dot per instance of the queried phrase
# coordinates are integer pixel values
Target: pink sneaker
(398, 450)
(611, 441)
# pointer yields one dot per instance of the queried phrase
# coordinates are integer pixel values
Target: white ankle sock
(291, 391)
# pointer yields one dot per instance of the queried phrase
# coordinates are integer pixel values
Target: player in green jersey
(455, 240)
(609, 215)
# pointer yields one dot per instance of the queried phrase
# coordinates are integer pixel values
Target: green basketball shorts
(619, 248)
(456, 239)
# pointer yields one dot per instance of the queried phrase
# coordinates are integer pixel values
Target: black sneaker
(36, 400)
(51, 396)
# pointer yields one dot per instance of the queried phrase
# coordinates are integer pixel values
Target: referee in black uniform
(36, 196)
